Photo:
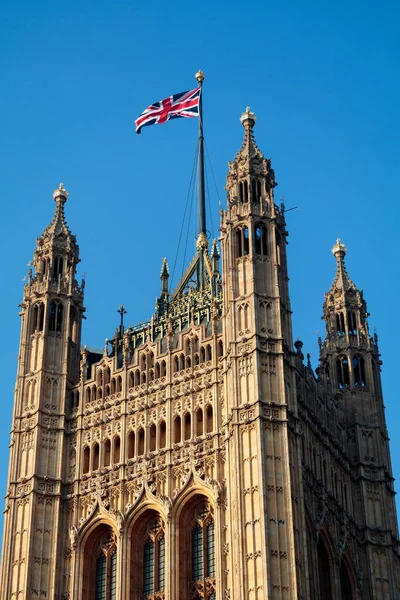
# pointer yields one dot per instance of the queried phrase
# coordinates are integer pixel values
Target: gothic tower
(197, 457)
(350, 363)
(51, 314)
(259, 380)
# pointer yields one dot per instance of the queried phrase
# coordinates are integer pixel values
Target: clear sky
(323, 80)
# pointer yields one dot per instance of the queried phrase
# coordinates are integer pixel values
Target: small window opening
(131, 444)
(188, 433)
(342, 370)
(86, 459)
(96, 452)
(351, 323)
(56, 315)
(359, 371)
(209, 419)
(199, 422)
(117, 450)
(163, 434)
(107, 453)
(141, 442)
(340, 323)
(153, 438)
(177, 430)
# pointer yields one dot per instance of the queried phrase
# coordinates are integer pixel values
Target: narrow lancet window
(56, 315)
(342, 371)
(359, 371)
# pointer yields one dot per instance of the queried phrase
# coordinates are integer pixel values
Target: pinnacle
(164, 269)
(342, 280)
(249, 148)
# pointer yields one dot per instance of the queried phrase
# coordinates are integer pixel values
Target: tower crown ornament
(339, 248)
(248, 117)
(60, 192)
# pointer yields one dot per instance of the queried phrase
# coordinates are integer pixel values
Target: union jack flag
(185, 104)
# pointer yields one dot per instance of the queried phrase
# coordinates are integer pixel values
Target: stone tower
(197, 456)
(48, 365)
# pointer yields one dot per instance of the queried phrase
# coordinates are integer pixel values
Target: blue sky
(323, 80)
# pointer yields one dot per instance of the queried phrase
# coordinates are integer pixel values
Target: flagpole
(202, 202)
(202, 241)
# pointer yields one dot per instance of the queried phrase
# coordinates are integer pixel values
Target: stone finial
(60, 192)
(248, 117)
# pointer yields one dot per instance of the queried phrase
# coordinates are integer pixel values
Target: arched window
(107, 453)
(202, 354)
(242, 241)
(148, 550)
(220, 348)
(141, 441)
(324, 572)
(199, 422)
(181, 362)
(131, 444)
(176, 364)
(177, 429)
(137, 377)
(153, 437)
(340, 323)
(57, 267)
(86, 459)
(56, 316)
(244, 191)
(209, 419)
(342, 371)
(37, 317)
(113, 385)
(260, 240)
(96, 451)
(119, 383)
(157, 370)
(117, 450)
(163, 434)
(131, 379)
(359, 371)
(346, 587)
(198, 545)
(163, 368)
(100, 565)
(351, 323)
(209, 352)
(187, 423)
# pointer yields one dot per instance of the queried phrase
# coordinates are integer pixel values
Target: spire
(249, 148)
(344, 309)
(250, 175)
(57, 252)
(164, 276)
(342, 280)
(58, 226)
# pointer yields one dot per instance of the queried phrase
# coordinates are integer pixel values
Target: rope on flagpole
(191, 184)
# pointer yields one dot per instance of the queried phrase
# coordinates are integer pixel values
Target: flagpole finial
(200, 76)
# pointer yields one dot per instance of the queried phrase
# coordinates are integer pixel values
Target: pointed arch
(347, 578)
(99, 574)
(196, 546)
(325, 564)
(147, 553)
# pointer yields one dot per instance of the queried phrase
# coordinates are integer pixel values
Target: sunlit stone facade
(198, 456)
